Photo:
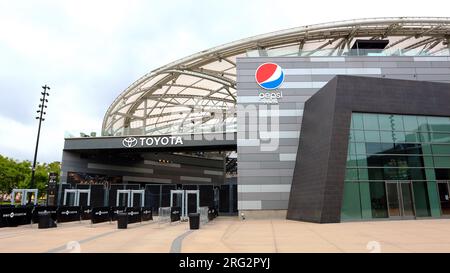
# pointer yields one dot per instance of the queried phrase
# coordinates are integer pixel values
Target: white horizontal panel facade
(267, 154)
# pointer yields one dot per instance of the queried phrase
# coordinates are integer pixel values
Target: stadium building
(325, 123)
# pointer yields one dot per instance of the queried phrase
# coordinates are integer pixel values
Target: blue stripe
(273, 84)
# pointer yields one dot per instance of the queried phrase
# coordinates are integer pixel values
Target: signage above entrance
(131, 142)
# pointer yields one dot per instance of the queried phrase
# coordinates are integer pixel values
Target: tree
(17, 174)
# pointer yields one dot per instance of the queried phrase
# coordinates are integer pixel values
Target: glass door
(407, 199)
(393, 199)
(400, 199)
(444, 197)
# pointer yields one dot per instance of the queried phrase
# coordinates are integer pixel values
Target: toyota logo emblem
(129, 142)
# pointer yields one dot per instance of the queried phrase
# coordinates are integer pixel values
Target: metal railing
(295, 52)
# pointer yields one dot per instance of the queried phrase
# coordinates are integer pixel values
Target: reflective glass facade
(398, 166)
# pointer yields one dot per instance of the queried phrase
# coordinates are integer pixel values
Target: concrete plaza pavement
(229, 234)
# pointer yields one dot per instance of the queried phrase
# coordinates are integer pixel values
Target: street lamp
(41, 113)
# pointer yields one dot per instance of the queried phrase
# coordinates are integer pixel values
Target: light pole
(41, 113)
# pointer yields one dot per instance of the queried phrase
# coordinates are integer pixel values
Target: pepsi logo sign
(269, 76)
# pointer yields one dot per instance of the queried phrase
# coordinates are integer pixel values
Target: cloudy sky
(89, 51)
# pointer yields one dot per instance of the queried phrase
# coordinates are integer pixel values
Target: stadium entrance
(134, 171)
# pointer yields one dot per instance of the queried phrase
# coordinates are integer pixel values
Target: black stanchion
(175, 214)
(134, 215)
(211, 213)
(100, 215)
(46, 221)
(194, 220)
(122, 220)
(146, 213)
(115, 211)
(68, 214)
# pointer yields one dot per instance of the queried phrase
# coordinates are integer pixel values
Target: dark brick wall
(310, 173)
(317, 186)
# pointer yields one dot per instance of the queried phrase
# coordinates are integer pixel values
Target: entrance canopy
(167, 143)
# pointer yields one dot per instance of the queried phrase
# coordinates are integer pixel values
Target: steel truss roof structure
(186, 95)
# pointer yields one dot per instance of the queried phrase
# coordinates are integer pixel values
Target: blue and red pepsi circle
(269, 76)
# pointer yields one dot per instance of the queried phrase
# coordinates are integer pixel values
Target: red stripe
(265, 71)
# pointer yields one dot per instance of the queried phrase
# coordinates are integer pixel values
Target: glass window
(412, 137)
(440, 149)
(429, 174)
(423, 123)
(357, 121)
(351, 161)
(399, 136)
(370, 122)
(394, 161)
(442, 174)
(351, 204)
(439, 124)
(417, 174)
(426, 149)
(440, 138)
(385, 122)
(351, 174)
(425, 137)
(388, 148)
(428, 161)
(438, 121)
(421, 199)
(374, 148)
(372, 136)
(351, 148)
(378, 200)
(362, 160)
(359, 136)
(410, 123)
(363, 174)
(397, 123)
(441, 161)
(360, 148)
(351, 137)
(376, 174)
(387, 136)
(394, 147)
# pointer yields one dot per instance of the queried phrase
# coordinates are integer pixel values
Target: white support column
(127, 192)
(141, 193)
(88, 192)
(75, 192)
(197, 193)
(172, 192)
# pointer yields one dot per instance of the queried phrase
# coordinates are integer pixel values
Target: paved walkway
(228, 234)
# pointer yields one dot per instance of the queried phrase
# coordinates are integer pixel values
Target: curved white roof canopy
(167, 100)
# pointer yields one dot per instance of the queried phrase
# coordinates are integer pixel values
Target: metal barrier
(115, 211)
(134, 215)
(13, 217)
(68, 214)
(203, 214)
(164, 215)
(146, 213)
(100, 215)
(41, 210)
